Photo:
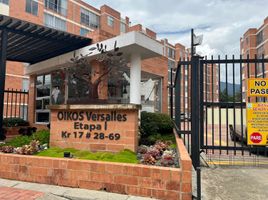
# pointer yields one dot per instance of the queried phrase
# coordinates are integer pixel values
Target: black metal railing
(16, 104)
(219, 89)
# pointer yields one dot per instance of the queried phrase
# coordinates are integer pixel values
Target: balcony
(56, 7)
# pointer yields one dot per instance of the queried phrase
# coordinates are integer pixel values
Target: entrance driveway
(234, 183)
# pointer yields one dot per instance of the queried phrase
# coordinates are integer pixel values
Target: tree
(86, 79)
(224, 97)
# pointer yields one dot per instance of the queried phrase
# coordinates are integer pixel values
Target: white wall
(4, 9)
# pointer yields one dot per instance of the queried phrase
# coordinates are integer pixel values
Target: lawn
(125, 156)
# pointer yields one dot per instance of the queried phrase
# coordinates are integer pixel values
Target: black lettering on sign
(260, 83)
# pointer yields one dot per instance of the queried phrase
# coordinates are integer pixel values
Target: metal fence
(210, 108)
(214, 94)
(16, 104)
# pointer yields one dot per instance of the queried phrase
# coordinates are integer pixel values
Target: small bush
(154, 126)
(14, 122)
(155, 123)
(19, 141)
(42, 136)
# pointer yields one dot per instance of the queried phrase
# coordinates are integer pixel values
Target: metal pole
(171, 94)
(3, 55)
(178, 98)
(192, 43)
(195, 120)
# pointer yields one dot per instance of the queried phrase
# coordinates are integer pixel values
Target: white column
(135, 78)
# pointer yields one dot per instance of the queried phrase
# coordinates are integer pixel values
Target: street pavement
(234, 183)
(18, 190)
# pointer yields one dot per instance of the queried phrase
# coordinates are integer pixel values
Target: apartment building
(254, 44)
(80, 18)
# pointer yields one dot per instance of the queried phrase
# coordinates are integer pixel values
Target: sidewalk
(11, 190)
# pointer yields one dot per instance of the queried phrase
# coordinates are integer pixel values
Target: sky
(221, 22)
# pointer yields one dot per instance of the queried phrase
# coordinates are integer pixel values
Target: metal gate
(210, 107)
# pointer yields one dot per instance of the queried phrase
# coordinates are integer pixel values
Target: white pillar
(135, 78)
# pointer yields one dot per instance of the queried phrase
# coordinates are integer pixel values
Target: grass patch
(125, 156)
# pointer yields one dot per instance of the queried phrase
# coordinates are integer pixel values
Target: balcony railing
(55, 7)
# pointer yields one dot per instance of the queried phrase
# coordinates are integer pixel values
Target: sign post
(257, 113)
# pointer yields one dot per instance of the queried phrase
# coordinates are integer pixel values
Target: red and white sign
(256, 137)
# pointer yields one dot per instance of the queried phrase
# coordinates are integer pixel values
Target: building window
(260, 38)
(110, 21)
(123, 27)
(58, 6)
(89, 19)
(84, 32)
(25, 84)
(54, 22)
(43, 85)
(171, 53)
(4, 2)
(32, 7)
(24, 112)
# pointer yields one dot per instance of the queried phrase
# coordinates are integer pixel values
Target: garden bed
(133, 179)
(161, 169)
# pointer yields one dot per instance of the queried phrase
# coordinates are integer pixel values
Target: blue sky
(222, 22)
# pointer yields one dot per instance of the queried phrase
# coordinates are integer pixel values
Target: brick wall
(141, 180)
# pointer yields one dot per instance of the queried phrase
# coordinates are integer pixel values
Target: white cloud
(222, 22)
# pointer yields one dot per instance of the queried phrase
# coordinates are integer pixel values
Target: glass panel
(89, 18)
(35, 8)
(110, 21)
(47, 79)
(46, 103)
(25, 84)
(59, 6)
(58, 87)
(54, 22)
(43, 91)
(39, 80)
(83, 31)
(23, 112)
(38, 104)
(42, 117)
(32, 7)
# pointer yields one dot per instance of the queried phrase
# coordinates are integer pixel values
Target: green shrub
(155, 126)
(42, 136)
(155, 123)
(14, 122)
(19, 141)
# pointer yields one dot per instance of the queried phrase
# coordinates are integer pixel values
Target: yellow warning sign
(257, 123)
(258, 87)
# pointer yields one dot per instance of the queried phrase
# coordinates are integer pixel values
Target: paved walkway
(18, 190)
(7, 193)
